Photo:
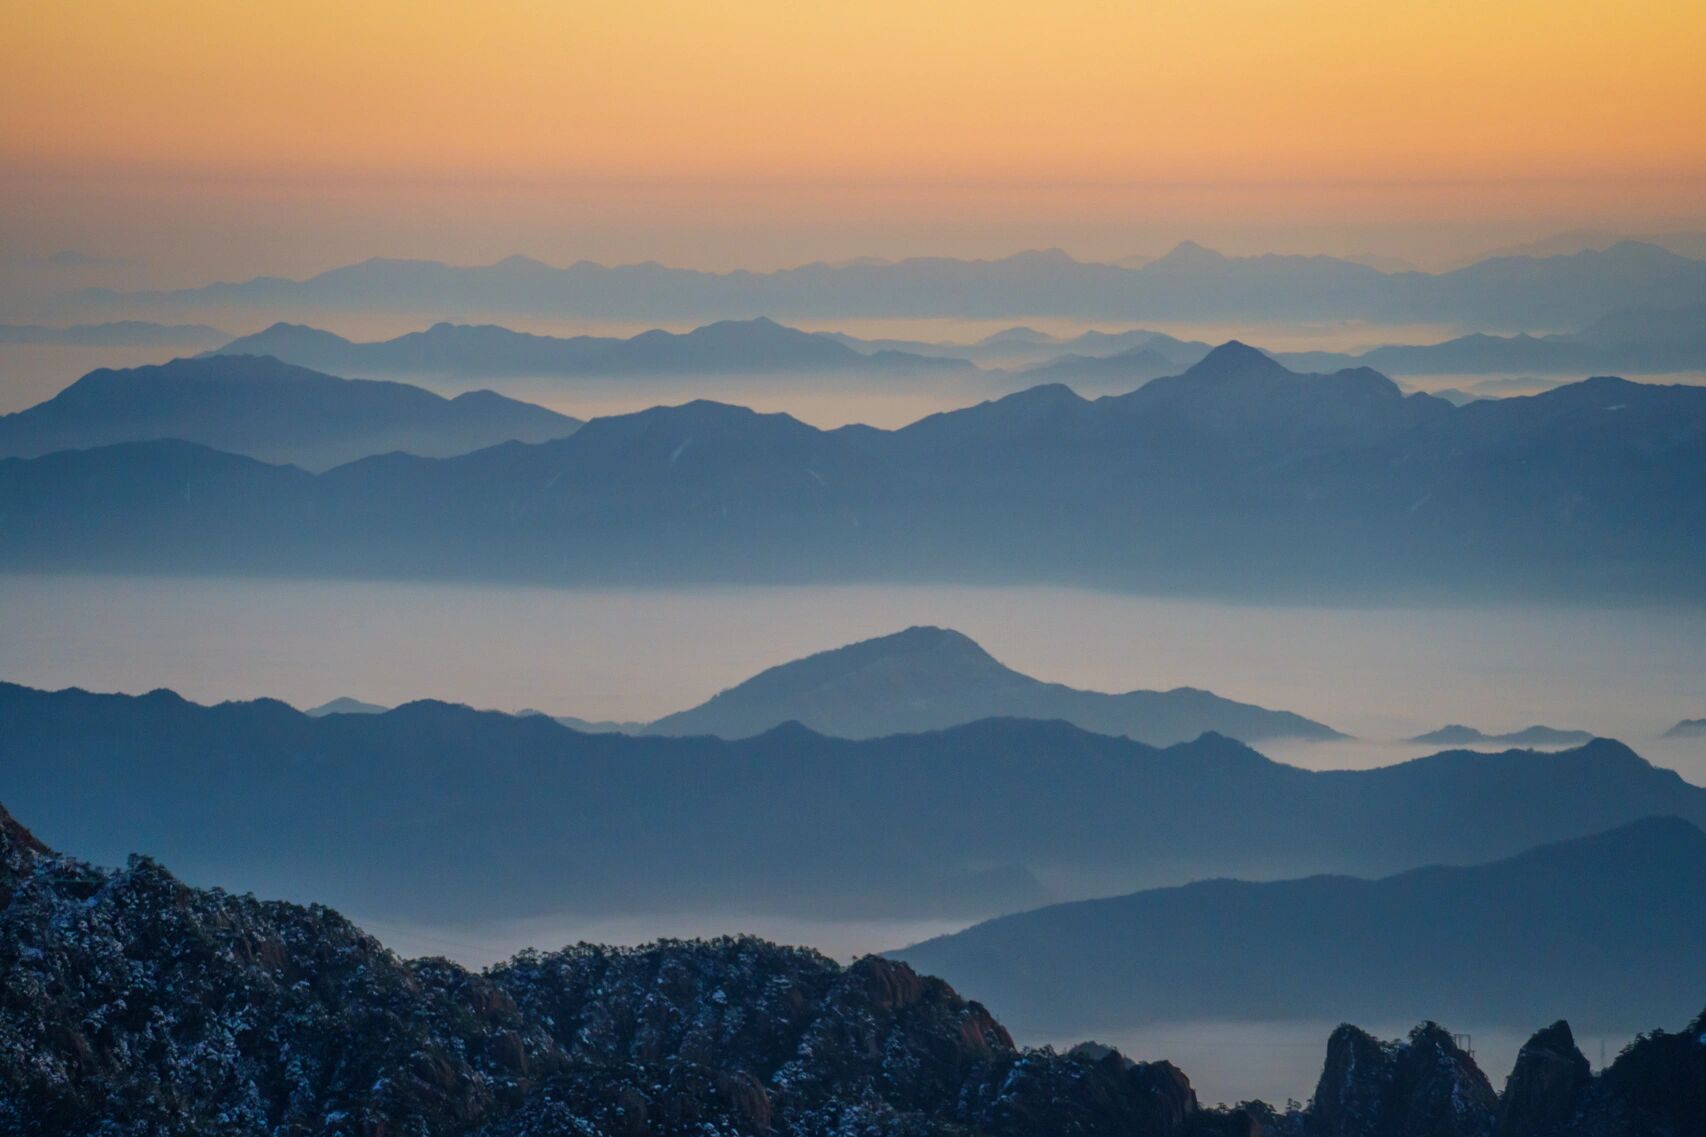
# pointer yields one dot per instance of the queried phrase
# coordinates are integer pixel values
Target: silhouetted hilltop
(271, 411)
(928, 678)
(474, 814)
(344, 705)
(1603, 929)
(1688, 728)
(757, 346)
(1129, 367)
(1237, 477)
(133, 1003)
(1459, 735)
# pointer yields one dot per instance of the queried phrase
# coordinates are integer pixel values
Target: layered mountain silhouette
(132, 1001)
(1189, 283)
(928, 678)
(1237, 477)
(748, 347)
(1602, 929)
(272, 412)
(455, 813)
(1458, 735)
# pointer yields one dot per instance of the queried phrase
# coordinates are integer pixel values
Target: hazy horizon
(1169, 525)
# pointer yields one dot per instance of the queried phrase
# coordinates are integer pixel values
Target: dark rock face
(1355, 1085)
(1547, 1085)
(1656, 1088)
(130, 999)
(132, 1005)
(1423, 1087)
(1440, 1092)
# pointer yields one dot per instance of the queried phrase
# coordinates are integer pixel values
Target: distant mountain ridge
(272, 412)
(757, 346)
(1600, 928)
(1189, 283)
(1237, 477)
(927, 678)
(474, 815)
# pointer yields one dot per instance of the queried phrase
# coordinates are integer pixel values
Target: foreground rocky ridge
(131, 1003)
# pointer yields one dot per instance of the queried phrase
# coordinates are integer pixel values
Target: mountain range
(1458, 735)
(1604, 929)
(747, 347)
(1627, 341)
(1237, 477)
(271, 412)
(1188, 283)
(927, 678)
(132, 1003)
(455, 813)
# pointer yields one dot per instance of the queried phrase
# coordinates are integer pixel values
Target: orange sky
(1313, 111)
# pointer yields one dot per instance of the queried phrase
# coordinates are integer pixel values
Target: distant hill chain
(757, 346)
(1190, 283)
(1237, 477)
(1628, 341)
(474, 815)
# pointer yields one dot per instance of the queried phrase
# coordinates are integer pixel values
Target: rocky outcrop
(1425, 1086)
(1547, 1085)
(1355, 1087)
(1655, 1088)
(132, 1004)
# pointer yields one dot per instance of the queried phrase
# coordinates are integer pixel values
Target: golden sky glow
(1037, 101)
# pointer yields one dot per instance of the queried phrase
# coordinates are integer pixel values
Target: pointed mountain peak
(1236, 360)
(521, 261)
(1189, 253)
(1019, 334)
